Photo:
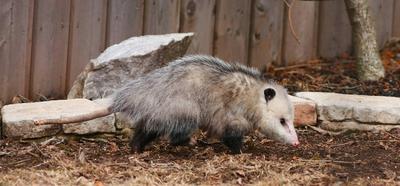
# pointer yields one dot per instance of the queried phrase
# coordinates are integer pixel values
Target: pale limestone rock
(104, 124)
(127, 60)
(18, 119)
(361, 108)
(358, 112)
(304, 111)
(28, 130)
(352, 125)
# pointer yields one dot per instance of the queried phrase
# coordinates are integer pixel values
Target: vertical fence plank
(15, 47)
(266, 33)
(232, 25)
(50, 48)
(304, 20)
(161, 16)
(383, 16)
(198, 16)
(125, 19)
(87, 35)
(396, 19)
(334, 34)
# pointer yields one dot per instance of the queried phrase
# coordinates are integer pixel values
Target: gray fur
(196, 92)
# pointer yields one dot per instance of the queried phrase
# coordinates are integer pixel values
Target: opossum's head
(277, 115)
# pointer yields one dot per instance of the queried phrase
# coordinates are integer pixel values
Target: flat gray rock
(99, 125)
(18, 119)
(127, 60)
(352, 125)
(359, 108)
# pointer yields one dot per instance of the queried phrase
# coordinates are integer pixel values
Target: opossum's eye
(283, 121)
(269, 93)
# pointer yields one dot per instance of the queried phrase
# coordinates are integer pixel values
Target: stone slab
(18, 119)
(305, 112)
(352, 125)
(359, 108)
(127, 60)
(104, 124)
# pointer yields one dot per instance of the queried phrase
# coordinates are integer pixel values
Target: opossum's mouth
(293, 139)
(296, 142)
(287, 135)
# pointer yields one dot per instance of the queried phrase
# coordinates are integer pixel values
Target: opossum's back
(179, 88)
(163, 94)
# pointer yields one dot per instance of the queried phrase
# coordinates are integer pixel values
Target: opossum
(226, 100)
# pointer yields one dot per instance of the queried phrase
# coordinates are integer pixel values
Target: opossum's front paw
(235, 151)
(233, 143)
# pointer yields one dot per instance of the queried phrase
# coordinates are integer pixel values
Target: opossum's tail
(99, 108)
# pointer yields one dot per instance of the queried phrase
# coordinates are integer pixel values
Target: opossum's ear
(269, 93)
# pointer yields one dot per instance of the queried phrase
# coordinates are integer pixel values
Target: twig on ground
(383, 141)
(33, 154)
(391, 135)
(40, 164)
(40, 151)
(322, 131)
(300, 73)
(343, 144)
(95, 140)
(4, 153)
(333, 161)
(348, 88)
(317, 62)
(18, 162)
(44, 143)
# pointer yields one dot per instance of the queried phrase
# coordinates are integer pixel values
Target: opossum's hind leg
(182, 134)
(140, 139)
(180, 139)
(233, 139)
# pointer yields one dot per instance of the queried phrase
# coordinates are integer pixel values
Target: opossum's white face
(277, 116)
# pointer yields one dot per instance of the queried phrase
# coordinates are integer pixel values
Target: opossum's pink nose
(296, 143)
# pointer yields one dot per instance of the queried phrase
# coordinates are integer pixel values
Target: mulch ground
(364, 158)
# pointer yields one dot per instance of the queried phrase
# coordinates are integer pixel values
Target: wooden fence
(44, 44)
